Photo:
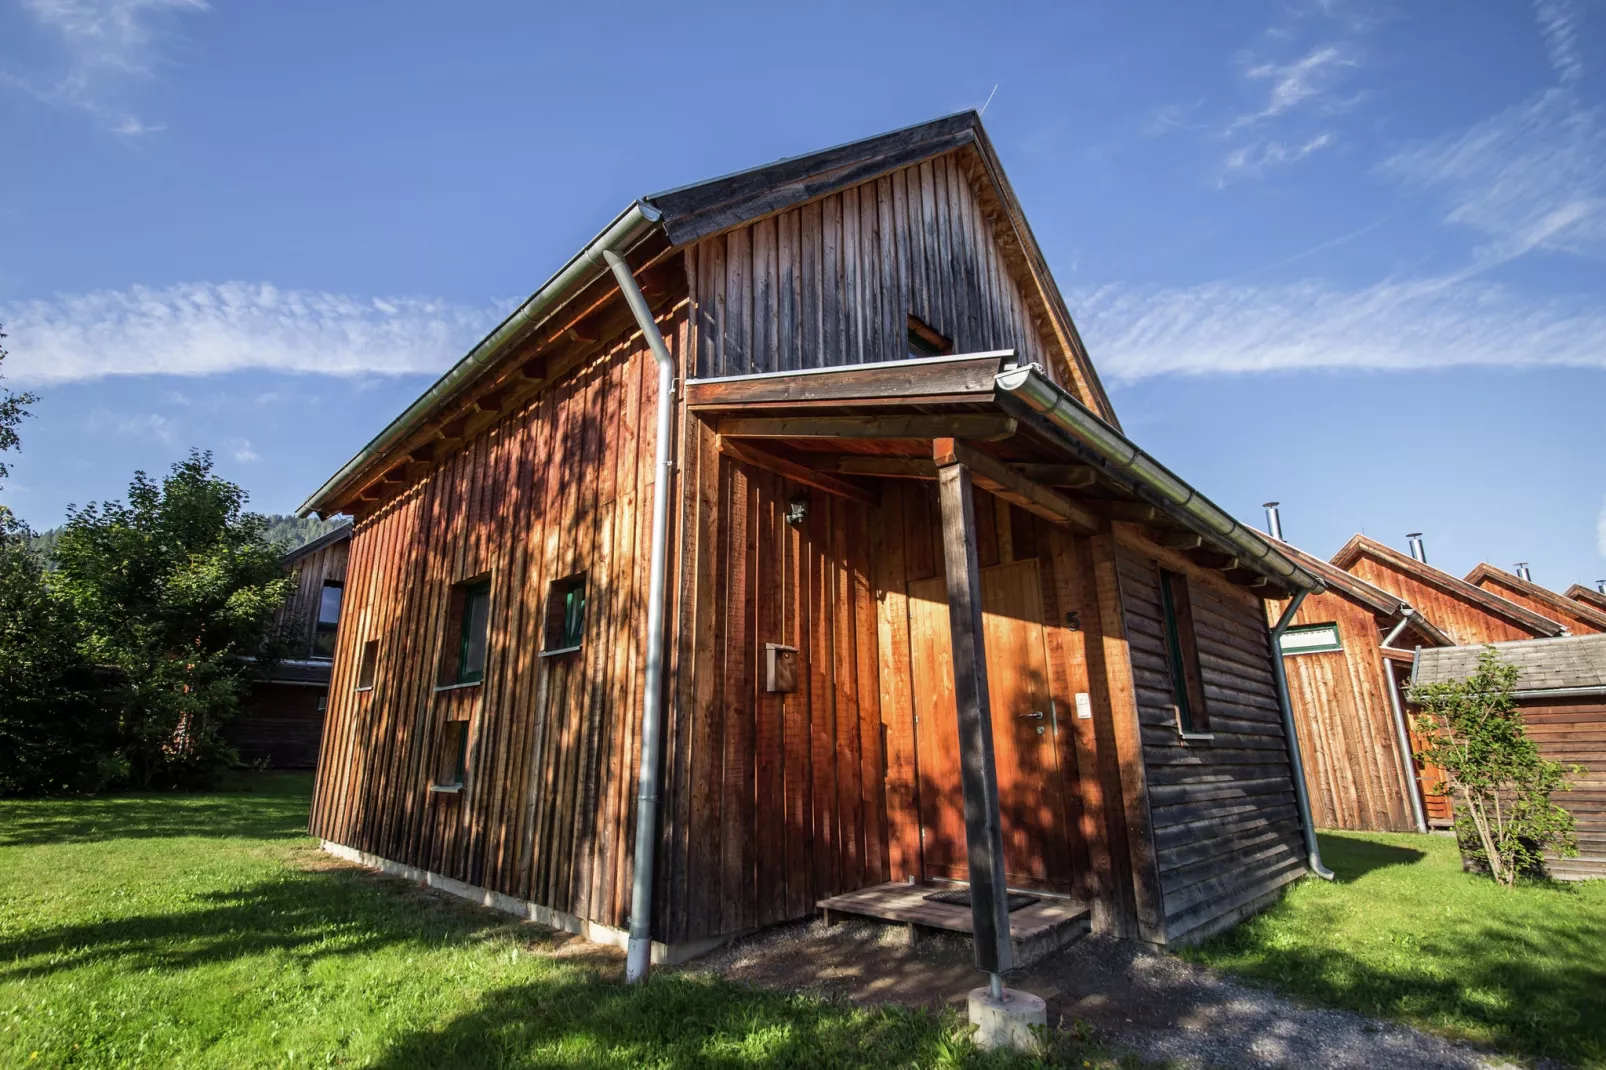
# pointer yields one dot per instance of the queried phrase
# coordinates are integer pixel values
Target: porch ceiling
(844, 429)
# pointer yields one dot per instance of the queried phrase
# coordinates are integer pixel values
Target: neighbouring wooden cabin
(910, 550)
(1580, 618)
(1467, 614)
(1594, 599)
(282, 727)
(1561, 689)
(1347, 655)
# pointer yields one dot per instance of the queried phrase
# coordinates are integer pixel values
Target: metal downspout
(1404, 740)
(638, 956)
(1291, 737)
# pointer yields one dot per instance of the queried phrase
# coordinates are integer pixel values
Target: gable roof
(339, 533)
(1544, 665)
(1360, 546)
(1487, 573)
(681, 216)
(1385, 606)
(1588, 596)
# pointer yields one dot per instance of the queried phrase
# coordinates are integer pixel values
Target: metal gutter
(1561, 692)
(638, 952)
(1313, 852)
(584, 268)
(1037, 391)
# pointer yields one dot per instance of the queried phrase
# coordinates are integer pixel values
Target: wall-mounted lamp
(797, 509)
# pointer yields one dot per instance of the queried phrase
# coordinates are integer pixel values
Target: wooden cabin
(910, 549)
(1468, 615)
(1579, 618)
(1347, 656)
(281, 727)
(1561, 689)
(1592, 598)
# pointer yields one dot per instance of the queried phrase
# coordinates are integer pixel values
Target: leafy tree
(173, 588)
(1473, 730)
(13, 407)
(55, 735)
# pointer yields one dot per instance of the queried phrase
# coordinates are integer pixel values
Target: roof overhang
(1030, 441)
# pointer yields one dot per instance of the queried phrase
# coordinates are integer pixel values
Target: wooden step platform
(1035, 930)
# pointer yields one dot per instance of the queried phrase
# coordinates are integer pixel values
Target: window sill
(445, 789)
(455, 687)
(559, 650)
(370, 687)
(1197, 737)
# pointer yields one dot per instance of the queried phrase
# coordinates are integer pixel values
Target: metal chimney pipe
(1414, 540)
(1274, 520)
(1523, 573)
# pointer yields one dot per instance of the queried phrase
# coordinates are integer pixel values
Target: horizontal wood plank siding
(1225, 824)
(559, 486)
(1573, 732)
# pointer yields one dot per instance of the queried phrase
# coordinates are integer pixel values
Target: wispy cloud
(1217, 328)
(1306, 81)
(1558, 25)
(147, 426)
(105, 48)
(1532, 176)
(205, 329)
(240, 449)
(1254, 159)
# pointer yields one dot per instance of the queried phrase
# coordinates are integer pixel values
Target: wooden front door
(1025, 731)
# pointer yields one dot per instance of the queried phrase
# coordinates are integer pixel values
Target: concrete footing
(1007, 1022)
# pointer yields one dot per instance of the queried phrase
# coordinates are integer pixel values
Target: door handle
(1035, 716)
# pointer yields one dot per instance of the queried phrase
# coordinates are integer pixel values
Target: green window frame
(1182, 654)
(473, 632)
(1310, 639)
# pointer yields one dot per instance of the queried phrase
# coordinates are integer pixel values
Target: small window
(368, 666)
(328, 621)
(1182, 650)
(565, 615)
(924, 341)
(451, 760)
(1311, 639)
(463, 658)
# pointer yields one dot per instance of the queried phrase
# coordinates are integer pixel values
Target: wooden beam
(1059, 475)
(1206, 557)
(960, 379)
(797, 473)
(1244, 577)
(998, 478)
(885, 467)
(978, 772)
(1138, 513)
(1179, 540)
(980, 427)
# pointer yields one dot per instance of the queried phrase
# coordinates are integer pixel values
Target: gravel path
(1156, 1006)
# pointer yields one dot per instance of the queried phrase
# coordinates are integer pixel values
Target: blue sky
(1347, 255)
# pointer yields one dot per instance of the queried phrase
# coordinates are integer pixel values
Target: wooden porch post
(984, 838)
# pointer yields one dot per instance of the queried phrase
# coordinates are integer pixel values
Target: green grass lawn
(1405, 934)
(208, 930)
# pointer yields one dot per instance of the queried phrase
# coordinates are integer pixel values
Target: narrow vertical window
(451, 758)
(1182, 651)
(475, 619)
(327, 623)
(565, 615)
(368, 667)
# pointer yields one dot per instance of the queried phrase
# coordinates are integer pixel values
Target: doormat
(960, 897)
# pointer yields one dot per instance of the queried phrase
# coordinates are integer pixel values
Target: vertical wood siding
(1347, 738)
(1225, 824)
(1463, 621)
(833, 281)
(298, 615)
(547, 807)
(1573, 731)
(1579, 622)
(773, 801)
